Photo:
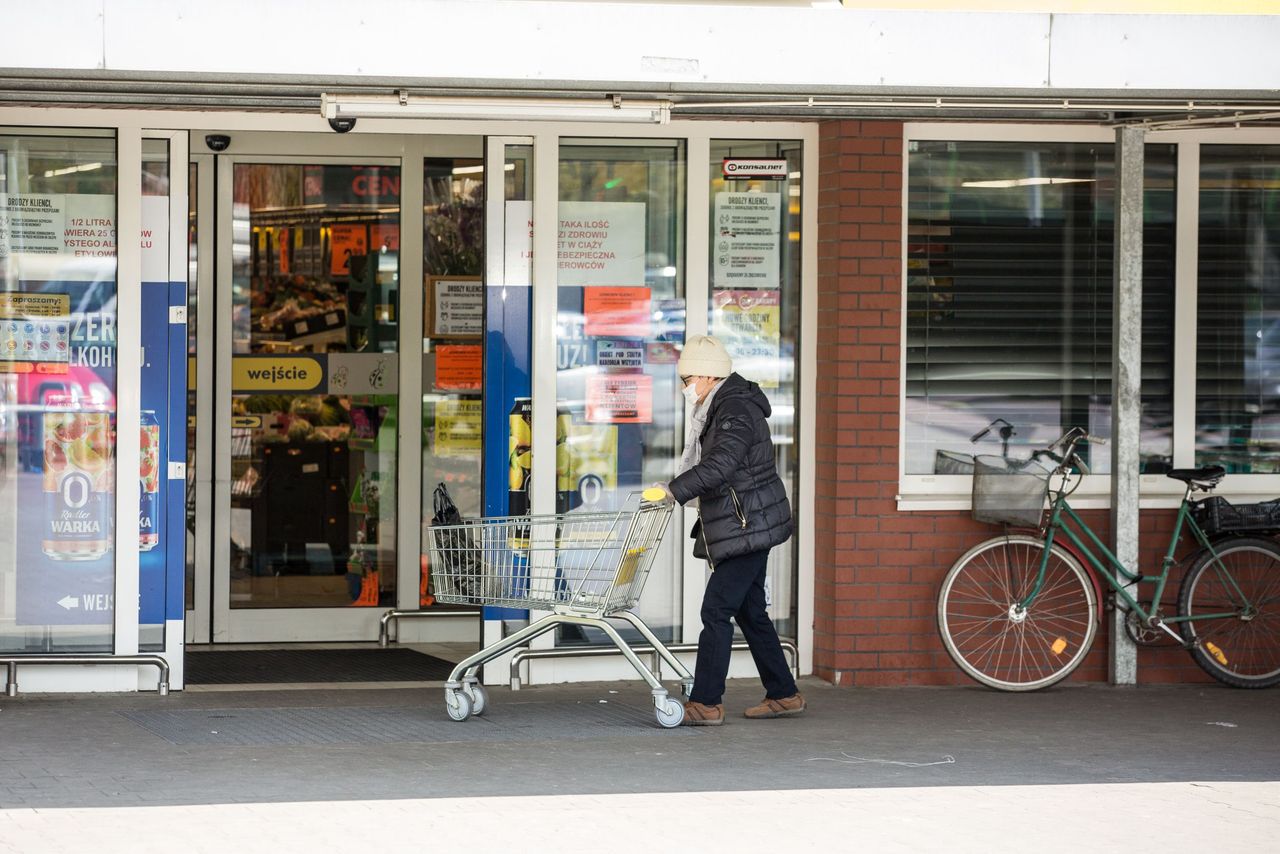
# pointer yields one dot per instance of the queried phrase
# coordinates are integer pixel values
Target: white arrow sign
(69, 602)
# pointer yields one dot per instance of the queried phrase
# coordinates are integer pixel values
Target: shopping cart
(586, 568)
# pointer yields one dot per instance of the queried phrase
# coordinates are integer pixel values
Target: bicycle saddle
(1205, 476)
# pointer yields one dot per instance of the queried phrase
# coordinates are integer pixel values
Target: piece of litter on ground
(1226, 724)
(602, 701)
(613, 692)
(849, 759)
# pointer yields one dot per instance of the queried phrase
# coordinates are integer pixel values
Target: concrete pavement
(903, 768)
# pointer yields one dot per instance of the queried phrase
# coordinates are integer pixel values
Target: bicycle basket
(1216, 515)
(1009, 492)
(952, 462)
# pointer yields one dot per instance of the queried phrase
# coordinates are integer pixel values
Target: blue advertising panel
(507, 357)
(153, 481)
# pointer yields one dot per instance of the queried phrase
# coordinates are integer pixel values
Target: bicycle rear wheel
(1242, 650)
(1000, 645)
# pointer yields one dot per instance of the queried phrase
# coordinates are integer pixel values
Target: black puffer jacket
(743, 506)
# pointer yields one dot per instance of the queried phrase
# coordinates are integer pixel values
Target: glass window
(1009, 300)
(1238, 339)
(619, 327)
(453, 342)
(315, 278)
(755, 309)
(57, 392)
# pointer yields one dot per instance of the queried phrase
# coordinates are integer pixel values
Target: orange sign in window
(459, 367)
(616, 312)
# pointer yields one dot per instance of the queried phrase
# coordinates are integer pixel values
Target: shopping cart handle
(654, 494)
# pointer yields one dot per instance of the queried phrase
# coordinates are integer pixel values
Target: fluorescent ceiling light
(613, 109)
(476, 170)
(1026, 182)
(83, 167)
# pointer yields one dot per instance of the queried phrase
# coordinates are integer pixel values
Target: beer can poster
(149, 482)
(620, 399)
(78, 482)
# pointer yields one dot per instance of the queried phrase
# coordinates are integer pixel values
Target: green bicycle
(1020, 611)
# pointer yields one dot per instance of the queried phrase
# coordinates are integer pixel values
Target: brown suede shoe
(696, 714)
(785, 707)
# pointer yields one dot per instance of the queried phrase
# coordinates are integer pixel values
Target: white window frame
(131, 125)
(951, 492)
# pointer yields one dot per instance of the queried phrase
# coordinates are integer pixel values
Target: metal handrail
(384, 624)
(12, 662)
(523, 655)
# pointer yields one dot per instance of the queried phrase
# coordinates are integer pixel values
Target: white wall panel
(577, 41)
(636, 42)
(1165, 52)
(62, 34)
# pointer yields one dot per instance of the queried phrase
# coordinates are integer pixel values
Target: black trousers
(736, 590)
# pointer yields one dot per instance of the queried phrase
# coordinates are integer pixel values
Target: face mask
(691, 393)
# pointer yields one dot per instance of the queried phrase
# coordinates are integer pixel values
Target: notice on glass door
(746, 250)
(31, 224)
(459, 367)
(616, 312)
(619, 399)
(749, 324)
(455, 307)
(597, 243)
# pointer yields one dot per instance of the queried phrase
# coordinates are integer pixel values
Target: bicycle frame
(1062, 514)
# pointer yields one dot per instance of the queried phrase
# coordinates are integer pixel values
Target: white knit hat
(704, 356)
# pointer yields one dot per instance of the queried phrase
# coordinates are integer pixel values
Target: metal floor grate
(283, 666)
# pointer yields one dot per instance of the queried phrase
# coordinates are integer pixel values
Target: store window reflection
(754, 260)
(619, 328)
(452, 346)
(314, 331)
(57, 391)
(1238, 343)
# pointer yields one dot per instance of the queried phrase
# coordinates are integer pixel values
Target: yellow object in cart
(627, 570)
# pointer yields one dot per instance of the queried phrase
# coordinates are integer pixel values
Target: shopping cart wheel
(686, 688)
(478, 695)
(457, 704)
(670, 712)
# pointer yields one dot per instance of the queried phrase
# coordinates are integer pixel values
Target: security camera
(217, 141)
(342, 125)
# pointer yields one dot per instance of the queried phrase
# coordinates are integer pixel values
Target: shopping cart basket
(585, 568)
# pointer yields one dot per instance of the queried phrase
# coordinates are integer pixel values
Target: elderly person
(728, 471)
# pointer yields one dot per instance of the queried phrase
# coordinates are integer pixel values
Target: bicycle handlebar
(1067, 442)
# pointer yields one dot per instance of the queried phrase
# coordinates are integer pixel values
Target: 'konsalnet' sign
(769, 169)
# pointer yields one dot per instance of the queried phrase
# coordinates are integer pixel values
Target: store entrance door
(306, 396)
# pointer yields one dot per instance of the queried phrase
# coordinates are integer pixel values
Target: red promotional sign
(620, 399)
(459, 367)
(616, 312)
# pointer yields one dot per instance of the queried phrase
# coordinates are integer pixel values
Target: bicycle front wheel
(994, 640)
(1233, 605)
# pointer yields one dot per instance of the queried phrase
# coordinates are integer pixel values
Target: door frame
(416, 138)
(213, 620)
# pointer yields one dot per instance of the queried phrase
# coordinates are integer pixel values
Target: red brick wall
(878, 569)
